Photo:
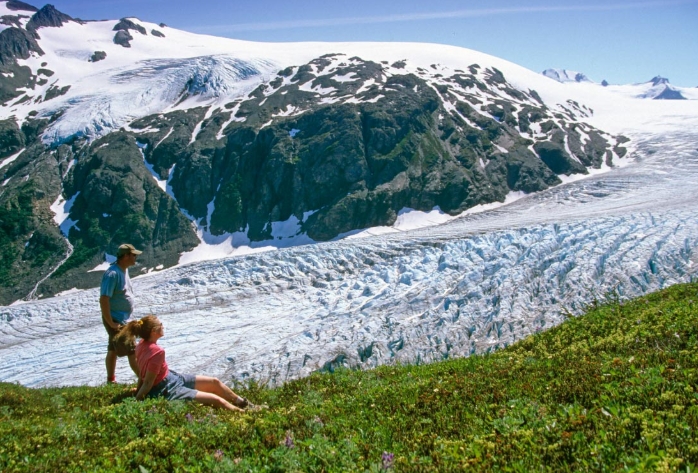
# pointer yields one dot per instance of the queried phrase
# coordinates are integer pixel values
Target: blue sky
(622, 41)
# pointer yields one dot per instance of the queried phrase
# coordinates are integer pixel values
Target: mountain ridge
(657, 88)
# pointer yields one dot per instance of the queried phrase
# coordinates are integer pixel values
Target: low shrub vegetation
(614, 389)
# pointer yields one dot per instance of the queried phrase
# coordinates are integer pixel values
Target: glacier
(471, 285)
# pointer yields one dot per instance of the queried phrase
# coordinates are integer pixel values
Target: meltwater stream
(470, 286)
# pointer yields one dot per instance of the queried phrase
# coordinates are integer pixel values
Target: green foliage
(614, 389)
(11, 138)
(227, 215)
(16, 220)
(81, 254)
(43, 246)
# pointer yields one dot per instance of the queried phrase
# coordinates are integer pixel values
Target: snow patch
(61, 209)
(162, 184)
(10, 159)
(318, 89)
(68, 292)
(108, 260)
(351, 77)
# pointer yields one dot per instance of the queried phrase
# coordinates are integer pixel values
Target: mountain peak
(657, 80)
(48, 17)
(565, 75)
(661, 89)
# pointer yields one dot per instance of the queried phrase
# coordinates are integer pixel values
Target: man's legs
(110, 361)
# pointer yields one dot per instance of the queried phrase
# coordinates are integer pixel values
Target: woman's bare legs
(210, 399)
(208, 385)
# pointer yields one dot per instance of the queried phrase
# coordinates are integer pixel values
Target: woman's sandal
(248, 406)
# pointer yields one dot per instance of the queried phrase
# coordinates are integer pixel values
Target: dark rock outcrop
(20, 6)
(98, 56)
(11, 138)
(55, 91)
(123, 38)
(16, 78)
(30, 243)
(47, 17)
(125, 24)
(670, 93)
(157, 33)
(10, 20)
(658, 80)
(119, 201)
(16, 43)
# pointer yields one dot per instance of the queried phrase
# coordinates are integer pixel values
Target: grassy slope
(612, 390)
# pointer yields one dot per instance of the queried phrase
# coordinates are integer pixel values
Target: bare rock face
(157, 33)
(16, 43)
(98, 56)
(125, 24)
(10, 20)
(20, 6)
(123, 38)
(47, 17)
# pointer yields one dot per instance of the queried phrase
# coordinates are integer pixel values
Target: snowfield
(468, 286)
(150, 76)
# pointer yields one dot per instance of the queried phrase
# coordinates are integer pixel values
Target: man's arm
(106, 312)
(147, 385)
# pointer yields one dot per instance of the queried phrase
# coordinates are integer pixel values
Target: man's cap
(126, 249)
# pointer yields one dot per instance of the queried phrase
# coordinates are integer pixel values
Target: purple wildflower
(387, 460)
(189, 417)
(289, 440)
(218, 455)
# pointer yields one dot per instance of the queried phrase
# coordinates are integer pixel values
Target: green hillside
(615, 389)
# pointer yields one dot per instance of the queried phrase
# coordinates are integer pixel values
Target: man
(116, 302)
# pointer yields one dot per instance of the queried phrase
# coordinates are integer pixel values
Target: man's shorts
(121, 349)
(175, 386)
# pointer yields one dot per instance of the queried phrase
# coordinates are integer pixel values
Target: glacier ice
(151, 86)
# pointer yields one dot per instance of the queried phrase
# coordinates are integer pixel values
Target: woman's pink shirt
(151, 357)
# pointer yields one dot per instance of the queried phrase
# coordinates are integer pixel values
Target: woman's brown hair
(137, 328)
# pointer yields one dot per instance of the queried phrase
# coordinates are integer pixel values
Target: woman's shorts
(175, 386)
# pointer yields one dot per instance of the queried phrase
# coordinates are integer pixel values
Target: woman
(157, 380)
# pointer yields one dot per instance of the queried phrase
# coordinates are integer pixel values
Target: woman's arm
(146, 384)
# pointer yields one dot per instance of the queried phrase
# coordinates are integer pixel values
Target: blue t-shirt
(117, 286)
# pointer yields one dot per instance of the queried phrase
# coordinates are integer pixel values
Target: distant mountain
(658, 88)
(123, 130)
(564, 75)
